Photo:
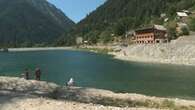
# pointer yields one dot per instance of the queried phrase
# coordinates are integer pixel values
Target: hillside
(30, 22)
(118, 16)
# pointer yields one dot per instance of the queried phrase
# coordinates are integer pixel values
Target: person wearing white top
(70, 82)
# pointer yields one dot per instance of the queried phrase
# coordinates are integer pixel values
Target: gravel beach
(21, 94)
(180, 52)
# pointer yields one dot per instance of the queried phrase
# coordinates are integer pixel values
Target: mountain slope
(119, 16)
(28, 22)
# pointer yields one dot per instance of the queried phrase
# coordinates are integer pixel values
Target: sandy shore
(49, 104)
(39, 49)
(20, 94)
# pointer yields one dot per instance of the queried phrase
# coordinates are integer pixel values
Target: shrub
(185, 31)
(56, 93)
(168, 104)
(192, 24)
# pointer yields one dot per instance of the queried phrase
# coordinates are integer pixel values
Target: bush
(185, 31)
(168, 104)
(192, 24)
(56, 93)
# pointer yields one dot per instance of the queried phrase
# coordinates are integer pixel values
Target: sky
(77, 9)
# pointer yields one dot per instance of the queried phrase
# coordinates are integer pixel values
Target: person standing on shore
(38, 74)
(124, 53)
(27, 74)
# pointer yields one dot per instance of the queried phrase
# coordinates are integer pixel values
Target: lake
(104, 72)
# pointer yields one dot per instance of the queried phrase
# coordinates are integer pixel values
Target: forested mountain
(30, 22)
(118, 16)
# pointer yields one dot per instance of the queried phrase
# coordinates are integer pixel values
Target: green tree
(123, 25)
(172, 30)
(92, 37)
(105, 37)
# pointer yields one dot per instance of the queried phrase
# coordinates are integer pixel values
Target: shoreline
(129, 58)
(151, 61)
(156, 54)
(146, 59)
(26, 93)
(39, 49)
(109, 50)
(177, 52)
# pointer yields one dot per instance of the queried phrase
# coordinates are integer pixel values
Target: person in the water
(38, 74)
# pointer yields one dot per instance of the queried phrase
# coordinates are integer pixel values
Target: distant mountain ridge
(30, 22)
(50, 9)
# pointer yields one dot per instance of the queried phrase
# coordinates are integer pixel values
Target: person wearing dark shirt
(27, 74)
(38, 74)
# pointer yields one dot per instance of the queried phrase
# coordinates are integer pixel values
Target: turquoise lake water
(104, 72)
